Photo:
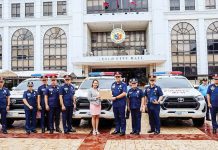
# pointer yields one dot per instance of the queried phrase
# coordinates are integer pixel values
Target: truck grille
(16, 103)
(181, 102)
(83, 104)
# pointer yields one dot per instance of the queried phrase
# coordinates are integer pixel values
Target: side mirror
(76, 87)
(13, 88)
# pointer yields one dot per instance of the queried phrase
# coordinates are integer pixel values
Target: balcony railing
(115, 52)
(116, 6)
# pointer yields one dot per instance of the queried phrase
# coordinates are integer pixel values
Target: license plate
(181, 113)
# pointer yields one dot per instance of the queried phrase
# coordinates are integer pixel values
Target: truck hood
(82, 93)
(17, 93)
(180, 92)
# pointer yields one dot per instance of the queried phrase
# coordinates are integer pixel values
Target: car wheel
(198, 122)
(10, 122)
(76, 122)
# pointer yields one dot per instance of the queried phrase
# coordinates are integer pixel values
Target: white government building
(75, 36)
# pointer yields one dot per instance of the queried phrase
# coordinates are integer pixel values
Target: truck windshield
(103, 84)
(173, 83)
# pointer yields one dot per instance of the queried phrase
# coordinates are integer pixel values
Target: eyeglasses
(118, 77)
(53, 80)
(152, 80)
(67, 79)
(133, 83)
(30, 86)
(44, 80)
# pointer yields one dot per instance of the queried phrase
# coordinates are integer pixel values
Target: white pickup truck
(181, 100)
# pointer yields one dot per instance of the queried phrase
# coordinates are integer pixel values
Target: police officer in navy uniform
(41, 103)
(30, 107)
(153, 96)
(128, 88)
(4, 104)
(68, 103)
(135, 105)
(212, 98)
(119, 91)
(52, 104)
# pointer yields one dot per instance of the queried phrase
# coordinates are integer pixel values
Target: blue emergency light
(167, 73)
(36, 75)
(96, 74)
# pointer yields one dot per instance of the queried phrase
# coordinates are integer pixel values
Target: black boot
(214, 131)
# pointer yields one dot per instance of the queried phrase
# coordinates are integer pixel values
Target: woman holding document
(95, 105)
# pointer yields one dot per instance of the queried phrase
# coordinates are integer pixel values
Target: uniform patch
(212, 88)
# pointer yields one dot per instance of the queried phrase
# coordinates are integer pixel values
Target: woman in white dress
(95, 106)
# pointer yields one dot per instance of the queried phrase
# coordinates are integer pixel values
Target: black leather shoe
(28, 132)
(43, 130)
(122, 134)
(214, 131)
(156, 132)
(132, 132)
(137, 133)
(51, 132)
(150, 131)
(115, 132)
(5, 132)
(34, 131)
(58, 130)
(66, 132)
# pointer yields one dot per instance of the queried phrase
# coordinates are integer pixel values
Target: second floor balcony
(116, 6)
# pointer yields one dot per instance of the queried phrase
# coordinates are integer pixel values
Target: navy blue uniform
(153, 93)
(67, 91)
(54, 104)
(30, 114)
(4, 93)
(119, 106)
(135, 99)
(213, 92)
(44, 113)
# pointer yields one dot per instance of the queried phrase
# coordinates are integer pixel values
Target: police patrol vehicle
(16, 111)
(82, 103)
(181, 100)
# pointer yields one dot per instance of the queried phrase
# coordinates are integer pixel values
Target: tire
(76, 122)
(198, 122)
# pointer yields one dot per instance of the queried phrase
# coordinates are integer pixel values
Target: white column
(38, 6)
(216, 4)
(38, 60)
(22, 10)
(54, 8)
(76, 36)
(201, 5)
(182, 5)
(6, 50)
(5, 7)
(202, 59)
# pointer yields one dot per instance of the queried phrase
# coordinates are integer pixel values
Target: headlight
(200, 98)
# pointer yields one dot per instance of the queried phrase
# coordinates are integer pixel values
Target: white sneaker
(97, 133)
(94, 132)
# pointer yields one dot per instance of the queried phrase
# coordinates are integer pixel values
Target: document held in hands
(105, 94)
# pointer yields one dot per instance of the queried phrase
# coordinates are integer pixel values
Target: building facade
(75, 36)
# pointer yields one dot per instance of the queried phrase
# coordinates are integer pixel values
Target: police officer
(52, 104)
(212, 98)
(41, 103)
(4, 104)
(135, 105)
(30, 107)
(203, 90)
(153, 96)
(119, 90)
(68, 103)
(128, 88)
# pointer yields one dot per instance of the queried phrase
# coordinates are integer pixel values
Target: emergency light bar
(168, 73)
(36, 75)
(96, 74)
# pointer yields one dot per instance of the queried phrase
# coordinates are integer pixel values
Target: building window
(212, 47)
(210, 4)
(47, 8)
(0, 10)
(189, 4)
(15, 10)
(134, 44)
(61, 8)
(55, 49)
(183, 48)
(29, 9)
(110, 6)
(22, 50)
(0, 52)
(174, 5)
